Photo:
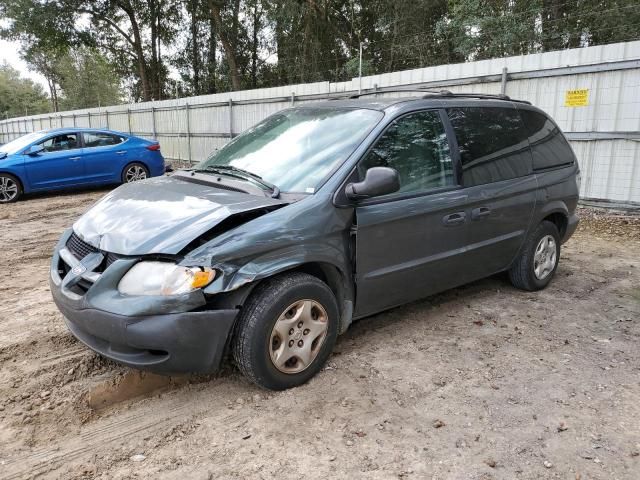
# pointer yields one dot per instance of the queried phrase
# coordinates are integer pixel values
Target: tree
(20, 96)
(87, 80)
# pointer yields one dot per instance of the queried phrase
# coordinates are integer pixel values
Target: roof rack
(442, 93)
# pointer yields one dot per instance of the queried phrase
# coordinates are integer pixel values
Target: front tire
(134, 172)
(286, 331)
(537, 263)
(10, 188)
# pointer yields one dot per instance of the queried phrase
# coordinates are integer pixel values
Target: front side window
(297, 149)
(67, 141)
(492, 142)
(98, 139)
(416, 146)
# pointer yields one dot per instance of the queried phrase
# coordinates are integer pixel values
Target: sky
(9, 52)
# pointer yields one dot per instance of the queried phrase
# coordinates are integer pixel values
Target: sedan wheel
(9, 189)
(134, 173)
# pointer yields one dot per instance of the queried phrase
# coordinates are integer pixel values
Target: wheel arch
(557, 213)
(327, 272)
(23, 185)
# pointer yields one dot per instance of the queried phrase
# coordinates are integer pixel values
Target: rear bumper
(572, 224)
(171, 343)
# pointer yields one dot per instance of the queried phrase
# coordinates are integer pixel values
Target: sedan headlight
(164, 278)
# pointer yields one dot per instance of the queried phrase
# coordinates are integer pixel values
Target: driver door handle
(73, 159)
(454, 219)
(121, 152)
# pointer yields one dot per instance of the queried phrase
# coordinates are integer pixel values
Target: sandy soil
(481, 382)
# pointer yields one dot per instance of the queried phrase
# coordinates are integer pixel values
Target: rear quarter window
(492, 142)
(549, 147)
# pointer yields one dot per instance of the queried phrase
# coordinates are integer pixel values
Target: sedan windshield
(21, 142)
(296, 149)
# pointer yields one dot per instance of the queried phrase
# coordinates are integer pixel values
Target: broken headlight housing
(164, 278)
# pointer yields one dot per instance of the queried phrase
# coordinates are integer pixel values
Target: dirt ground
(481, 382)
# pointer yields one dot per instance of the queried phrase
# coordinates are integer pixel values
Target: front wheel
(134, 172)
(10, 188)
(286, 331)
(537, 263)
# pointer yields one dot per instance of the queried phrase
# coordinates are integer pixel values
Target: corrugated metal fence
(593, 93)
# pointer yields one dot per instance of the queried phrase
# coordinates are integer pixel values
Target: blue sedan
(73, 157)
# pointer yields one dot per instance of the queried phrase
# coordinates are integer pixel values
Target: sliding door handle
(480, 212)
(454, 219)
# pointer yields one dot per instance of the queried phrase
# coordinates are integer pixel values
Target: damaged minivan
(315, 217)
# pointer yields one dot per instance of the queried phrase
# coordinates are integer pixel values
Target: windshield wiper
(236, 172)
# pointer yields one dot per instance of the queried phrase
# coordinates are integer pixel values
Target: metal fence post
(293, 98)
(186, 109)
(375, 90)
(89, 115)
(503, 83)
(33, 124)
(50, 122)
(230, 118)
(153, 123)
(129, 119)
(106, 114)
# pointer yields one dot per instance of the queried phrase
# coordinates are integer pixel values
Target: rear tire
(134, 172)
(10, 188)
(537, 262)
(286, 331)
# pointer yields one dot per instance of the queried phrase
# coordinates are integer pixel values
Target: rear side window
(97, 139)
(492, 142)
(416, 146)
(548, 146)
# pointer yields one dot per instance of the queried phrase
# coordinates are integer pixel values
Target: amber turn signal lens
(202, 278)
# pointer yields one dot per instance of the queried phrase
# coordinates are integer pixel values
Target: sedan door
(411, 243)
(104, 156)
(59, 164)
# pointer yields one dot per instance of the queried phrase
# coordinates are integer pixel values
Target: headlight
(164, 278)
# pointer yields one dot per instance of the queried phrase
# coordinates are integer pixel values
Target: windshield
(296, 149)
(21, 142)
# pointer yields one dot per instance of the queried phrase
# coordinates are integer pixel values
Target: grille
(79, 247)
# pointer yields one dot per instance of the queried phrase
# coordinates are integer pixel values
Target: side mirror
(377, 181)
(35, 150)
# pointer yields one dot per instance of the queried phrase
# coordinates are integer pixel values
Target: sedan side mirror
(35, 150)
(377, 181)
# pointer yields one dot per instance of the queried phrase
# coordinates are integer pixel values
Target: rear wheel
(537, 263)
(134, 172)
(286, 331)
(10, 188)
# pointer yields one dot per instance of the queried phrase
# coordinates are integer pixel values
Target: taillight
(153, 147)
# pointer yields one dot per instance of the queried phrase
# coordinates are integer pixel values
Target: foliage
(20, 96)
(160, 47)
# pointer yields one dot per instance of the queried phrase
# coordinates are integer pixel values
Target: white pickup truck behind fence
(593, 93)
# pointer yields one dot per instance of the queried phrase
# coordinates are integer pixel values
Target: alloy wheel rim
(8, 189)
(135, 173)
(298, 335)
(544, 258)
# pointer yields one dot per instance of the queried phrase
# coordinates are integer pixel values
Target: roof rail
(440, 93)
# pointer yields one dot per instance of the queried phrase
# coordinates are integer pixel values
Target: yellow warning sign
(576, 98)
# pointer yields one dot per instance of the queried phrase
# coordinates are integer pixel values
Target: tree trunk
(254, 50)
(137, 46)
(227, 46)
(195, 51)
(212, 61)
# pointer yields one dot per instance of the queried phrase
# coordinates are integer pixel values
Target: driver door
(59, 164)
(411, 243)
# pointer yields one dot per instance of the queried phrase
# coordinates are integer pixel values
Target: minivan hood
(161, 215)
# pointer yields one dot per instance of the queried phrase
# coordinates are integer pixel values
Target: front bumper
(150, 333)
